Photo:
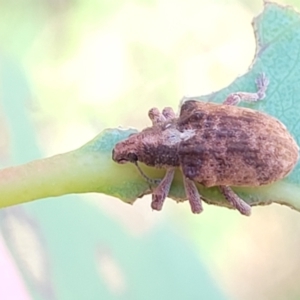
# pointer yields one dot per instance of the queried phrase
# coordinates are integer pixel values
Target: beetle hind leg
(243, 207)
(262, 83)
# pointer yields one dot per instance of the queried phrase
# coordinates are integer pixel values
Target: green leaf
(91, 169)
(277, 32)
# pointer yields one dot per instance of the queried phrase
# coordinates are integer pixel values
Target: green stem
(91, 169)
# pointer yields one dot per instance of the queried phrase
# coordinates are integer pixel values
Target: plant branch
(91, 169)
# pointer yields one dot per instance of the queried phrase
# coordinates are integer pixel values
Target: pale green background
(72, 68)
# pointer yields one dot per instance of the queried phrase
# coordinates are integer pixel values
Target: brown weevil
(214, 145)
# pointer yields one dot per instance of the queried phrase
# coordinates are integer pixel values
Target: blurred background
(69, 69)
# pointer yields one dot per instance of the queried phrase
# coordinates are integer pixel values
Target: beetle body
(215, 145)
(234, 146)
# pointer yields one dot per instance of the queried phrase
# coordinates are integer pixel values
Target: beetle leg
(162, 190)
(156, 116)
(262, 83)
(168, 113)
(193, 196)
(243, 207)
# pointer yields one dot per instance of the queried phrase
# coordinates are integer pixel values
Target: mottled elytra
(215, 145)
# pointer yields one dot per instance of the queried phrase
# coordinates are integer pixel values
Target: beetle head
(126, 151)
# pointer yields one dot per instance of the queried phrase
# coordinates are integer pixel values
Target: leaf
(278, 56)
(277, 33)
(91, 169)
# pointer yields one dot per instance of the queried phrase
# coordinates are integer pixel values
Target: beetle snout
(119, 158)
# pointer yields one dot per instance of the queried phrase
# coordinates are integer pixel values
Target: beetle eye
(132, 157)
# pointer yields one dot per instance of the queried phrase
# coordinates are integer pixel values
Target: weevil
(215, 145)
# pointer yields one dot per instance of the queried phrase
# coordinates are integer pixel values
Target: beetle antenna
(151, 181)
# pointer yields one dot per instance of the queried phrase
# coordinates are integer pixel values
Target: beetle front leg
(193, 196)
(161, 192)
(262, 83)
(156, 116)
(243, 207)
(168, 113)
